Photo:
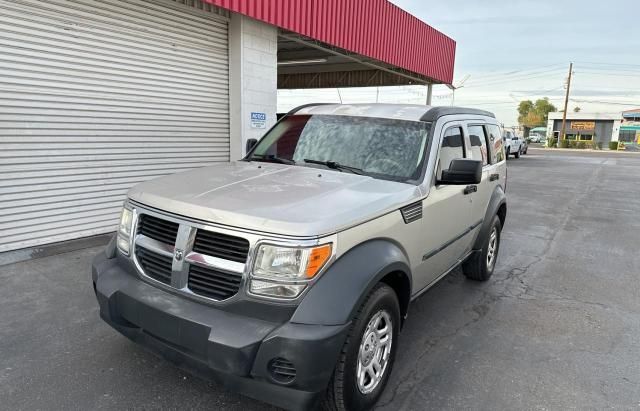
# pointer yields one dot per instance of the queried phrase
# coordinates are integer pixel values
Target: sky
(509, 51)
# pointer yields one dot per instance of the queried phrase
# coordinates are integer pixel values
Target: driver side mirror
(251, 143)
(462, 171)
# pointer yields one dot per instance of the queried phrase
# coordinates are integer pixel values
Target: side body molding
(334, 299)
(498, 199)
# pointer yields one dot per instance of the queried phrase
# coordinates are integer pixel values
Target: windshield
(381, 148)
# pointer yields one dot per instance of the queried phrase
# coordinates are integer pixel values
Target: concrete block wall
(253, 78)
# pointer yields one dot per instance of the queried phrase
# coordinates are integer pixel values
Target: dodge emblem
(178, 255)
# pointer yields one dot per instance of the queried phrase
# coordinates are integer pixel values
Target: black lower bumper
(231, 349)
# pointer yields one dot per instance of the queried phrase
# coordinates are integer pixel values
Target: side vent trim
(412, 212)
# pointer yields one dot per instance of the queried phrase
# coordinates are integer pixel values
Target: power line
(512, 73)
(610, 74)
(512, 79)
(605, 102)
(608, 64)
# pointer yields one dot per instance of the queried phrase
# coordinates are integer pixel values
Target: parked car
(535, 138)
(287, 275)
(524, 145)
(512, 143)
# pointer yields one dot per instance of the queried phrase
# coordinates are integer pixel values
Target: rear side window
(478, 141)
(497, 154)
(452, 148)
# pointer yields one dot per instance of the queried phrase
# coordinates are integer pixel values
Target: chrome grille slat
(221, 245)
(211, 282)
(158, 229)
(155, 265)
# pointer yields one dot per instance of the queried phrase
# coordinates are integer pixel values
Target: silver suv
(287, 275)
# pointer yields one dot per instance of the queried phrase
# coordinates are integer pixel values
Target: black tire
(517, 154)
(507, 153)
(343, 393)
(525, 150)
(477, 267)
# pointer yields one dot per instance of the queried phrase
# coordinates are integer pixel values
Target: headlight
(124, 231)
(283, 272)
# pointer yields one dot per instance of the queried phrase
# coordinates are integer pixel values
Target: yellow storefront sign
(583, 125)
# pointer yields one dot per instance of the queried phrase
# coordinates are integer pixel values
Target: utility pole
(566, 106)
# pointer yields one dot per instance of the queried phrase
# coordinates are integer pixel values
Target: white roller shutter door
(96, 96)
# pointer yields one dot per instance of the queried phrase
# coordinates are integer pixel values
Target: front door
(446, 212)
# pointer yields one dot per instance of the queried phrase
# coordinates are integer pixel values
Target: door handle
(494, 177)
(470, 189)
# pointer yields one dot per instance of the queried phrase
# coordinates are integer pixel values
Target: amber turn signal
(318, 258)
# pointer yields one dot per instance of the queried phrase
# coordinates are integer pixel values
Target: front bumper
(227, 347)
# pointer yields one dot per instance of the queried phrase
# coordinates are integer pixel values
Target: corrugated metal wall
(96, 96)
(373, 28)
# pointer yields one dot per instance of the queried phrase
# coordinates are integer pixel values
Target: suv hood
(275, 198)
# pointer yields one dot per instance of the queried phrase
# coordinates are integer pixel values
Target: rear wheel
(480, 265)
(368, 354)
(507, 152)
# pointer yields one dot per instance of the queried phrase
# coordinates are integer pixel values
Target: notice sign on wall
(583, 125)
(258, 120)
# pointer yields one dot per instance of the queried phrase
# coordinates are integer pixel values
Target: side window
(478, 140)
(452, 147)
(494, 139)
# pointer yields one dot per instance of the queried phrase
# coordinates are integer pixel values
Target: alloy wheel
(374, 352)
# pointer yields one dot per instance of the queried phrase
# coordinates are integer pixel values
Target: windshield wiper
(336, 166)
(271, 157)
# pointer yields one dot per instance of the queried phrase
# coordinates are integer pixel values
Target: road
(557, 327)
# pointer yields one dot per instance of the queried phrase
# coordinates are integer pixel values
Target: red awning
(372, 28)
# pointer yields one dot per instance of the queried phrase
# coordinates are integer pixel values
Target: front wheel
(517, 153)
(480, 265)
(507, 153)
(368, 354)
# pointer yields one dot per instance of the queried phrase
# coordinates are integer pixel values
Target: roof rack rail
(296, 109)
(437, 112)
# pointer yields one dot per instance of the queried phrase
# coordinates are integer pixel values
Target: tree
(535, 114)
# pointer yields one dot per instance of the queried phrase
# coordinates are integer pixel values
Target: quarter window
(478, 141)
(452, 148)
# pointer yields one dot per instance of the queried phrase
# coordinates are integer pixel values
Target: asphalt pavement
(557, 327)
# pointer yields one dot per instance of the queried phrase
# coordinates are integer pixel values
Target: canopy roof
(373, 29)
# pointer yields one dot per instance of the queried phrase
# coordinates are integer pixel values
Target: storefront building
(630, 128)
(598, 128)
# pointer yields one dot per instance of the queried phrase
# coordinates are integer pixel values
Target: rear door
(482, 137)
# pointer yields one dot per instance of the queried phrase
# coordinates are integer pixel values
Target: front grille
(222, 246)
(154, 265)
(212, 283)
(282, 370)
(158, 229)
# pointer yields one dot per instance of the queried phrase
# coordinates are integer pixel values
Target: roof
(586, 116)
(410, 112)
(373, 28)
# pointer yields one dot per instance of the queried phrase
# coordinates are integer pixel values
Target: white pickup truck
(512, 143)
